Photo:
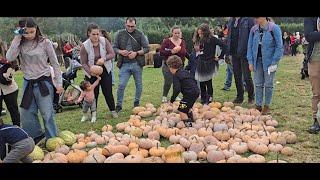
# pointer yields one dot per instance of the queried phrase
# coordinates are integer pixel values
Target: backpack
(270, 29)
(6, 72)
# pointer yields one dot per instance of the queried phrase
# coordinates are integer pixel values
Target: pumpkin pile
(221, 133)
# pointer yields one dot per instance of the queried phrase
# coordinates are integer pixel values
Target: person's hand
(132, 55)
(251, 67)
(177, 49)
(59, 90)
(124, 52)
(100, 62)
(98, 77)
(216, 59)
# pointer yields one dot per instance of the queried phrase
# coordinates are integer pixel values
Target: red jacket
(167, 45)
(67, 49)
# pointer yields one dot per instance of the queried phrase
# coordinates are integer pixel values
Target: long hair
(106, 35)
(29, 22)
(207, 34)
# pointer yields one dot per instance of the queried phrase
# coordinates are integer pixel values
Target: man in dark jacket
(237, 42)
(312, 34)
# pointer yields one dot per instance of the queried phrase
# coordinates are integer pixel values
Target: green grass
(291, 106)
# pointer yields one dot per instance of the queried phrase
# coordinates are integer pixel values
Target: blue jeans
(229, 74)
(112, 72)
(264, 84)
(29, 117)
(125, 73)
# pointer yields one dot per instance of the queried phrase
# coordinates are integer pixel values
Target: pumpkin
(202, 155)
(215, 105)
(154, 135)
(228, 153)
(53, 157)
(197, 105)
(209, 114)
(62, 149)
(146, 129)
(94, 158)
(270, 129)
(80, 135)
(79, 145)
(176, 147)
(110, 150)
(121, 126)
(91, 144)
(288, 151)
(223, 145)
(135, 131)
(211, 147)
(225, 109)
(258, 148)
(145, 143)
(76, 156)
(214, 156)
(133, 145)
(116, 158)
(244, 160)
(277, 139)
(256, 158)
(143, 152)
(239, 147)
(145, 114)
(96, 70)
(277, 161)
(107, 128)
(157, 151)
(93, 136)
(189, 156)
(96, 150)
(153, 159)
(180, 125)
(149, 105)
(202, 132)
(234, 159)
(108, 134)
(173, 156)
(138, 109)
(37, 153)
(184, 142)
(273, 123)
(174, 138)
(228, 104)
(220, 127)
(222, 135)
(53, 143)
(290, 137)
(101, 140)
(68, 137)
(209, 140)
(275, 147)
(133, 158)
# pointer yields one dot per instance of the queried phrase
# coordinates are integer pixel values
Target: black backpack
(6, 73)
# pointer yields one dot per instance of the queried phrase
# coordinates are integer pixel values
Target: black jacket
(245, 25)
(183, 82)
(311, 33)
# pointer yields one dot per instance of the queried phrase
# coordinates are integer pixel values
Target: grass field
(291, 106)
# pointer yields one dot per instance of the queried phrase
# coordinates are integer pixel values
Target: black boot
(315, 128)
(190, 116)
(238, 100)
(188, 122)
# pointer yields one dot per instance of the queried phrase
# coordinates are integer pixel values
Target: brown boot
(259, 108)
(265, 110)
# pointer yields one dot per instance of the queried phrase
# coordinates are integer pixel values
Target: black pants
(241, 68)
(106, 86)
(55, 96)
(187, 102)
(206, 90)
(294, 50)
(12, 106)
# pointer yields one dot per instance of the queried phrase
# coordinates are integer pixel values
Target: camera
(20, 31)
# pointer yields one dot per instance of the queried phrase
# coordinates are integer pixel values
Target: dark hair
(130, 19)
(207, 33)
(83, 85)
(29, 22)
(90, 27)
(106, 35)
(174, 62)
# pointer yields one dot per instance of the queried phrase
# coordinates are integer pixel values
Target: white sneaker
(164, 99)
(114, 114)
(94, 117)
(84, 118)
(178, 99)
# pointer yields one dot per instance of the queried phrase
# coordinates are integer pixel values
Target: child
(89, 101)
(22, 145)
(185, 83)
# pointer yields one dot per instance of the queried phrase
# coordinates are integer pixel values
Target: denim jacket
(272, 46)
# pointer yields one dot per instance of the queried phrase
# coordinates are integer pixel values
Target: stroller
(71, 91)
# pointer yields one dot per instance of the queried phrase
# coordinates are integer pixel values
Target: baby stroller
(71, 91)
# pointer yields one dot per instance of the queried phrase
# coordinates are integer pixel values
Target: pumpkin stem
(94, 158)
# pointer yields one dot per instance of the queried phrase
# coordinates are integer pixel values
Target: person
(76, 52)
(173, 45)
(131, 45)
(237, 41)
(21, 143)
(89, 101)
(207, 65)
(265, 49)
(312, 34)
(97, 50)
(293, 45)
(286, 43)
(157, 59)
(192, 62)
(183, 82)
(304, 70)
(106, 35)
(34, 50)
(67, 50)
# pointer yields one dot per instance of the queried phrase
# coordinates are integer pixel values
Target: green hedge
(292, 27)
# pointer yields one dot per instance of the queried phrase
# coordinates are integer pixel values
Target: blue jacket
(272, 46)
(191, 67)
(245, 25)
(311, 33)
